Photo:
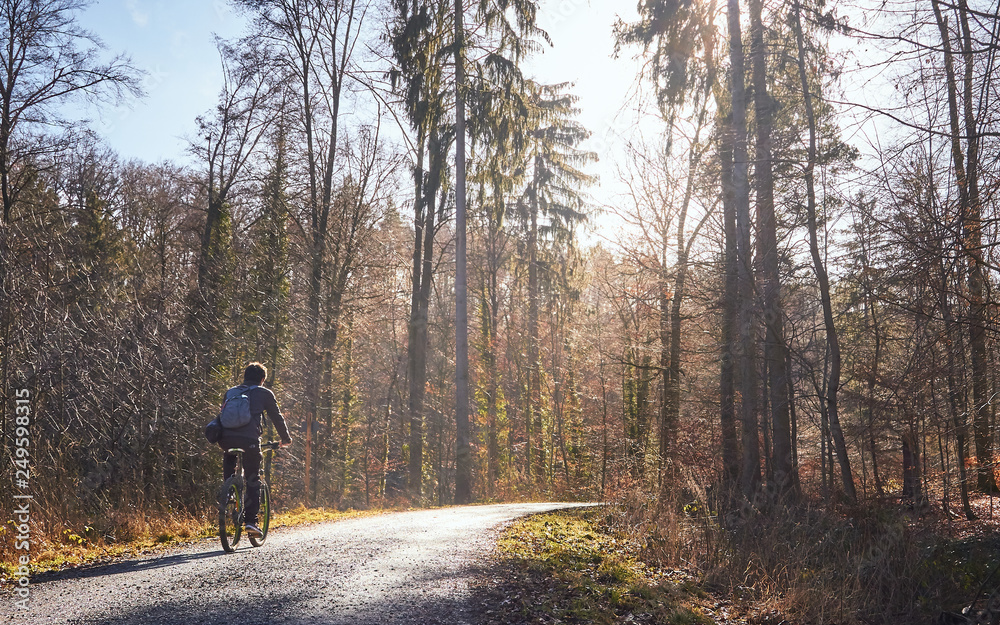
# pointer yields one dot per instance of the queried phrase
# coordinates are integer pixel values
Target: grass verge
(805, 564)
(567, 567)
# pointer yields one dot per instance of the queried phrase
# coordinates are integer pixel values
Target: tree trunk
(463, 451)
(750, 470)
(671, 404)
(911, 466)
(344, 443)
(604, 406)
(871, 323)
(490, 318)
(668, 424)
(971, 239)
(972, 230)
(533, 423)
(423, 257)
(644, 418)
(954, 396)
(773, 313)
(730, 306)
(832, 336)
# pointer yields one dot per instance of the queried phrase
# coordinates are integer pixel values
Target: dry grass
(886, 564)
(303, 515)
(125, 533)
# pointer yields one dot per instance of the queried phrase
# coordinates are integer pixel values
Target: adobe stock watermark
(223, 10)
(558, 11)
(21, 520)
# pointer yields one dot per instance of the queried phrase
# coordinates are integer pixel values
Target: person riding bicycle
(261, 401)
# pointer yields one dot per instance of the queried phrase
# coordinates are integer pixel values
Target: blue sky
(173, 43)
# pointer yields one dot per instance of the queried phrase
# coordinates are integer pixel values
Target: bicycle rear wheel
(264, 516)
(231, 513)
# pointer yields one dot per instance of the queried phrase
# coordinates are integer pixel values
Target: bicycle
(231, 501)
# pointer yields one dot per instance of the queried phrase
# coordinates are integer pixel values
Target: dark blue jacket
(261, 401)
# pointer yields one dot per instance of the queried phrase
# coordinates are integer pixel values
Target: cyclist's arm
(274, 414)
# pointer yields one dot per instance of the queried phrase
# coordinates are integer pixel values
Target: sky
(583, 42)
(173, 42)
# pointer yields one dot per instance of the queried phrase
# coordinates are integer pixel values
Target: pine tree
(552, 203)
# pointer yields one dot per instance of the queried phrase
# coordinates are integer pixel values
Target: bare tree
(228, 142)
(684, 85)
(313, 44)
(963, 125)
(46, 62)
(832, 336)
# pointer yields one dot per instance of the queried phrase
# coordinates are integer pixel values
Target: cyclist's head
(255, 373)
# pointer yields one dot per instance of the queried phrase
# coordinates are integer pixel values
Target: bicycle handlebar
(270, 445)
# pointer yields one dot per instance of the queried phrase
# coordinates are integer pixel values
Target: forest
(789, 306)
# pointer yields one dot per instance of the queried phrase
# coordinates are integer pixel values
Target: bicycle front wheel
(264, 516)
(231, 513)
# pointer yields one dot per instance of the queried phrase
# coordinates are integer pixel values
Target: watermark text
(22, 497)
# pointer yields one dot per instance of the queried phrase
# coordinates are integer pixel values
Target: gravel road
(408, 567)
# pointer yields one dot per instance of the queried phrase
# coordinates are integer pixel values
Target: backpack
(213, 431)
(236, 410)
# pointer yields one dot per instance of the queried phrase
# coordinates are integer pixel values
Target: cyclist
(248, 437)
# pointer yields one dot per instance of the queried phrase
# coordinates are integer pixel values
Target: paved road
(404, 568)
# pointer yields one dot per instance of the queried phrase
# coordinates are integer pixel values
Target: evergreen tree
(551, 204)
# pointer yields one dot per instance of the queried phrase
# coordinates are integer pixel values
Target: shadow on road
(115, 568)
(278, 612)
(218, 608)
(305, 602)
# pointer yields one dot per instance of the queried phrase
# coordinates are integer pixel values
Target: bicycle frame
(232, 500)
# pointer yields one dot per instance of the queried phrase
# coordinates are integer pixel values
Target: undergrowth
(566, 567)
(802, 564)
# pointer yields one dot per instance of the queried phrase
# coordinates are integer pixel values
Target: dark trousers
(251, 473)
